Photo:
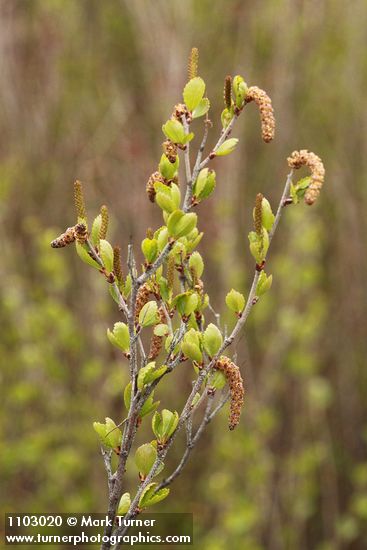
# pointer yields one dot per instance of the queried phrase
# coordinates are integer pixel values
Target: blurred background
(85, 87)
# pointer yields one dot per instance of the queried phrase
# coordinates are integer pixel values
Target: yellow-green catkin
(117, 265)
(79, 201)
(258, 214)
(193, 63)
(227, 93)
(104, 224)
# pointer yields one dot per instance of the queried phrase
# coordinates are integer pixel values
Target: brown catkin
(263, 102)
(193, 63)
(236, 388)
(117, 265)
(81, 233)
(79, 200)
(104, 225)
(157, 341)
(258, 214)
(228, 91)
(65, 238)
(170, 150)
(141, 299)
(180, 110)
(315, 164)
(156, 176)
(171, 271)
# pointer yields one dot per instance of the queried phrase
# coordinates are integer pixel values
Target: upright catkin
(193, 63)
(315, 164)
(104, 224)
(117, 265)
(79, 201)
(263, 101)
(227, 93)
(141, 299)
(258, 214)
(236, 388)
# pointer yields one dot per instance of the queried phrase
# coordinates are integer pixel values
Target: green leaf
(196, 264)
(127, 395)
(109, 433)
(264, 283)
(149, 314)
(165, 202)
(82, 251)
(119, 337)
(202, 108)
(174, 130)
(150, 497)
(168, 169)
(180, 224)
(235, 301)
(106, 253)
(149, 406)
(193, 92)
(161, 330)
(217, 380)
(240, 90)
(145, 456)
(227, 147)
(124, 504)
(149, 248)
(212, 340)
(96, 226)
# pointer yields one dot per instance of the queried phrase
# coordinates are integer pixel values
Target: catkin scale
(263, 101)
(236, 388)
(314, 163)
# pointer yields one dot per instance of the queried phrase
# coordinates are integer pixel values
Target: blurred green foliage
(85, 87)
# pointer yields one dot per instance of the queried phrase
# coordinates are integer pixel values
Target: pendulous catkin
(157, 341)
(263, 102)
(236, 387)
(314, 163)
